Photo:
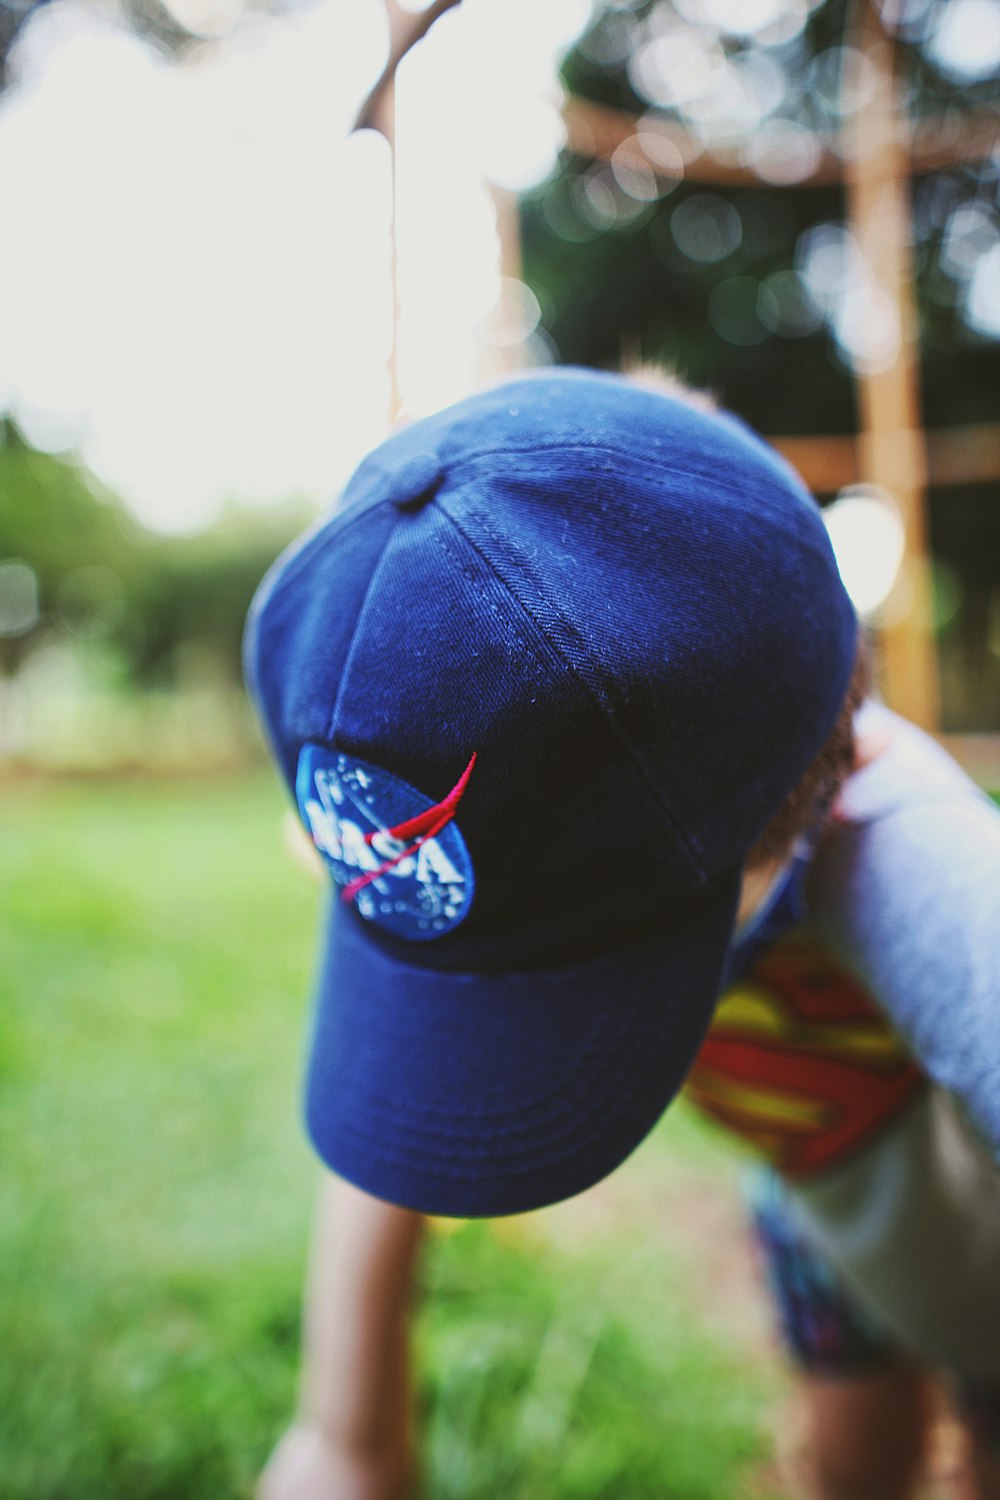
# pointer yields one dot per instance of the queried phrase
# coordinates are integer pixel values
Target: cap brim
(481, 1094)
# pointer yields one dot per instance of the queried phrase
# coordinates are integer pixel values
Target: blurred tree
(741, 283)
(197, 589)
(100, 577)
(53, 523)
(174, 26)
(698, 217)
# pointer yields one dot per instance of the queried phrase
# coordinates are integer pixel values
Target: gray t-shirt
(907, 890)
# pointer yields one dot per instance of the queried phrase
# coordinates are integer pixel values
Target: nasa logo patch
(415, 886)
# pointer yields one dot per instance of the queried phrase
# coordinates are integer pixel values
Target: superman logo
(799, 1061)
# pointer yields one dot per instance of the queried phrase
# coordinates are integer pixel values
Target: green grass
(155, 1195)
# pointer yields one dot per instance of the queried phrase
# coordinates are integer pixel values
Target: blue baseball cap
(537, 684)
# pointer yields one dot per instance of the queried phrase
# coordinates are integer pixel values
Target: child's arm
(351, 1439)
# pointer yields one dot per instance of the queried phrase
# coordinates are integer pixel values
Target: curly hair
(807, 806)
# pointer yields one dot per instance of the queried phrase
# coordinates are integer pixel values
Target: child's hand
(868, 747)
(301, 848)
(308, 1465)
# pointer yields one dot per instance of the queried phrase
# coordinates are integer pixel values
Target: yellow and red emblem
(800, 1062)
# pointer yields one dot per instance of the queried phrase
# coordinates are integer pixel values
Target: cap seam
(693, 852)
(284, 570)
(785, 473)
(285, 563)
(359, 620)
(666, 465)
(466, 1164)
(434, 1121)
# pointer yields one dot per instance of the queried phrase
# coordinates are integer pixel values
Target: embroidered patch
(415, 886)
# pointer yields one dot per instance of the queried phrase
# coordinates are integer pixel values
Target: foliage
(630, 295)
(758, 292)
(105, 581)
(155, 1194)
(578, 1374)
(172, 29)
(617, 280)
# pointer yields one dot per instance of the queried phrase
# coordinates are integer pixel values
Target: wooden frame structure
(878, 155)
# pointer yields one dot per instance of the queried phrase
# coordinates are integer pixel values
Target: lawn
(155, 1198)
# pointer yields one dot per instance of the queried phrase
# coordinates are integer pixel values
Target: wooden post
(891, 442)
(378, 112)
(382, 117)
(503, 358)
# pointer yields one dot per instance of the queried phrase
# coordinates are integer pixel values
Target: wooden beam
(891, 448)
(978, 755)
(406, 29)
(969, 454)
(598, 131)
(952, 143)
(826, 464)
(378, 112)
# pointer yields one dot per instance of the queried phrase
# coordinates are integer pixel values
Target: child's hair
(809, 802)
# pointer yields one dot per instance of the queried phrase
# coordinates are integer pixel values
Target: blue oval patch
(348, 807)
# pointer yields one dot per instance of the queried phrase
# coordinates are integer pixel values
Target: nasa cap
(537, 685)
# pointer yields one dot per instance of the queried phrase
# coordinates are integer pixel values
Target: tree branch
(406, 29)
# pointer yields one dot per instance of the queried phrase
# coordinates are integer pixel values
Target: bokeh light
(844, 79)
(633, 173)
(982, 299)
(862, 318)
(208, 19)
(19, 608)
(784, 306)
(964, 39)
(708, 229)
(516, 315)
(561, 209)
(222, 324)
(744, 17)
(972, 231)
(612, 44)
(783, 152)
(677, 66)
(733, 311)
(224, 245)
(455, 124)
(868, 536)
(90, 600)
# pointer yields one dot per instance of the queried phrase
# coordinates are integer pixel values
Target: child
(565, 690)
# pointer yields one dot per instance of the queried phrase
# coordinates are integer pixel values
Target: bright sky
(196, 257)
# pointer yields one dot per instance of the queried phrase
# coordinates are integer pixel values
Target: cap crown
(628, 608)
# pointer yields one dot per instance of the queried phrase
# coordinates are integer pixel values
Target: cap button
(416, 481)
